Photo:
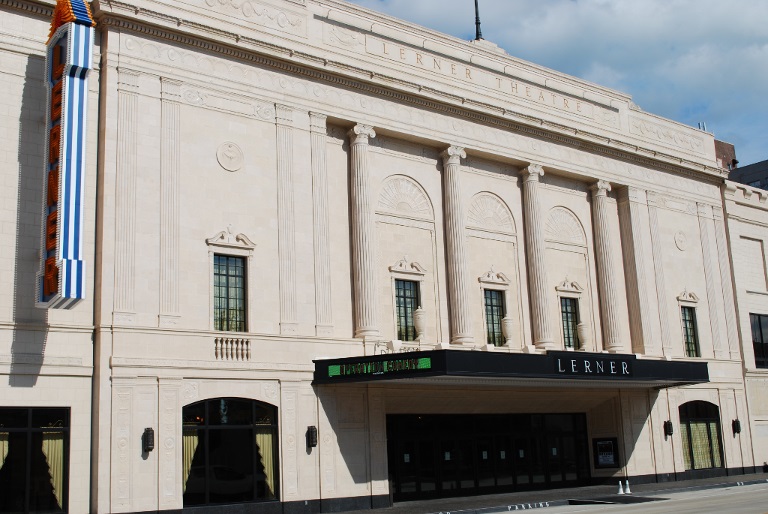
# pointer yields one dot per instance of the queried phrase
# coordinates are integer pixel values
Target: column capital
(533, 172)
(361, 133)
(283, 114)
(453, 154)
(317, 122)
(600, 188)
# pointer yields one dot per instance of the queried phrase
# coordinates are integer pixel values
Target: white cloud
(688, 60)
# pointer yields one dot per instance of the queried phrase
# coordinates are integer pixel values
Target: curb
(557, 503)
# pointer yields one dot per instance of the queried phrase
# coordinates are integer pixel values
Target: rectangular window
(690, 337)
(34, 459)
(406, 302)
(569, 309)
(229, 293)
(494, 312)
(759, 324)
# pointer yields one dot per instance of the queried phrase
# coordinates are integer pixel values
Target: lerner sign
(591, 365)
(69, 58)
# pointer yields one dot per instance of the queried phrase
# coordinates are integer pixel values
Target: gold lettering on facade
(418, 59)
(402, 53)
(453, 68)
(436, 64)
(469, 73)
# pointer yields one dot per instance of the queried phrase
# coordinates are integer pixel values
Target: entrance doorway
(434, 456)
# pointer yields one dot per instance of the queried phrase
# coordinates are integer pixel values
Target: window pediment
(230, 241)
(688, 297)
(406, 267)
(569, 286)
(494, 277)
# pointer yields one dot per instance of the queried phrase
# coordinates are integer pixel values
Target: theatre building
(329, 260)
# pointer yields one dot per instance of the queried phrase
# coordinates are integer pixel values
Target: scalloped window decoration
(488, 211)
(403, 196)
(563, 226)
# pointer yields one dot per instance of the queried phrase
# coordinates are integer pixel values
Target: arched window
(701, 434)
(229, 451)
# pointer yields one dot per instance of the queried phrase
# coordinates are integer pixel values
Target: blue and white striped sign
(61, 280)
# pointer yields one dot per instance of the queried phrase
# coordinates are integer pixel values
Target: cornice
(122, 15)
(41, 9)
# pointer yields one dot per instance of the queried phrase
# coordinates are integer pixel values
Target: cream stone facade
(338, 155)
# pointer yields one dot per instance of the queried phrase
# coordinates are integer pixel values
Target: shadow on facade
(30, 332)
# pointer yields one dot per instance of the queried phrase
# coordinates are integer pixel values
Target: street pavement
(742, 494)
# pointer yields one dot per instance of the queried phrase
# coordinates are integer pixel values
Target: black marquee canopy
(552, 369)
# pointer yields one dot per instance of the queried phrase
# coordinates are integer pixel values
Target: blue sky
(688, 60)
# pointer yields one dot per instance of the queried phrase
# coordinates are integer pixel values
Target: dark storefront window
(229, 293)
(569, 309)
(229, 452)
(433, 456)
(34, 456)
(759, 324)
(700, 432)
(494, 312)
(406, 303)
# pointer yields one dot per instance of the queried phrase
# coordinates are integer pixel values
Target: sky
(690, 61)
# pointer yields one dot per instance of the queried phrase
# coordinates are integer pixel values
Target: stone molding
(495, 278)
(406, 267)
(489, 212)
(346, 75)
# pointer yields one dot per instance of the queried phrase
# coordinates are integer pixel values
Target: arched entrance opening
(229, 452)
(701, 435)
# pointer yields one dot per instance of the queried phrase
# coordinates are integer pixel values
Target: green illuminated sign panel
(379, 367)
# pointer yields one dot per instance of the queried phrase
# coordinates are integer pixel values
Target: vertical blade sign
(69, 58)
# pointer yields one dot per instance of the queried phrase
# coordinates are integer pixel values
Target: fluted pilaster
(286, 228)
(725, 279)
(712, 280)
(169, 201)
(534, 250)
(125, 197)
(323, 309)
(631, 204)
(658, 267)
(606, 274)
(456, 253)
(363, 230)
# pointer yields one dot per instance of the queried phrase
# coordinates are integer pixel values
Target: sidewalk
(553, 497)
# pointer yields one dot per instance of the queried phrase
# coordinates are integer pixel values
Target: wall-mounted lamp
(311, 436)
(668, 429)
(736, 425)
(148, 440)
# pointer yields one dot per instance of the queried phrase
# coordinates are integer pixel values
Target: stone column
(456, 253)
(363, 230)
(658, 268)
(534, 251)
(606, 274)
(725, 279)
(712, 278)
(125, 198)
(286, 227)
(323, 301)
(170, 206)
(633, 243)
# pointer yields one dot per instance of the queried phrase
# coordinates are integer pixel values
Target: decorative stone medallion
(681, 241)
(230, 156)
